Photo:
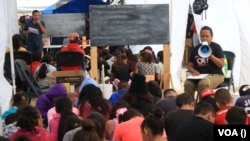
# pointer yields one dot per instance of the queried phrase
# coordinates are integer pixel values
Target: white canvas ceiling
(24, 6)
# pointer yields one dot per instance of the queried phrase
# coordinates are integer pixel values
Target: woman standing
(120, 71)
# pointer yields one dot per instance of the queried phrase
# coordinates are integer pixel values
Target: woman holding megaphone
(205, 58)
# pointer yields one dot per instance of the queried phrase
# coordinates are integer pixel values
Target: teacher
(34, 29)
(211, 65)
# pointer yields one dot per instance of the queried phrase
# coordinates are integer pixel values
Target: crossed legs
(212, 81)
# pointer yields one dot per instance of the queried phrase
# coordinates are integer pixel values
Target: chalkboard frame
(116, 25)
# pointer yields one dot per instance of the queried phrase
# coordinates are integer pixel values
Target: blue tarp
(72, 6)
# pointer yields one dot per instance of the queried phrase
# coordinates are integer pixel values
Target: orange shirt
(129, 130)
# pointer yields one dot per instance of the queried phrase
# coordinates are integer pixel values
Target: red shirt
(34, 65)
(221, 115)
(41, 135)
(72, 47)
(85, 109)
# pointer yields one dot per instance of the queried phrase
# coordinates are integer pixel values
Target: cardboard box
(72, 77)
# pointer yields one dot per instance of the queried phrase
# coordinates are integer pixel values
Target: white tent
(228, 18)
(24, 6)
(8, 27)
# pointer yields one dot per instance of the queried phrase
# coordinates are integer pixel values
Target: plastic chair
(30, 86)
(228, 79)
(69, 59)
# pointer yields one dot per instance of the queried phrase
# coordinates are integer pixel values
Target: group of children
(137, 110)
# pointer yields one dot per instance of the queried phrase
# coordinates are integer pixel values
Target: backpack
(199, 6)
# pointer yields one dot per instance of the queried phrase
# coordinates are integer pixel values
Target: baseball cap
(73, 36)
(244, 90)
(206, 92)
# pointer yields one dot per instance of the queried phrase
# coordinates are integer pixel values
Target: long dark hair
(64, 108)
(17, 41)
(130, 113)
(146, 57)
(119, 104)
(119, 64)
(94, 96)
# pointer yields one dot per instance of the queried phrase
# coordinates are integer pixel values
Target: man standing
(34, 29)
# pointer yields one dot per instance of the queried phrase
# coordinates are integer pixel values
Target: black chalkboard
(61, 25)
(129, 24)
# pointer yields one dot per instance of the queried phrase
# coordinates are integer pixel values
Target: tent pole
(11, 52)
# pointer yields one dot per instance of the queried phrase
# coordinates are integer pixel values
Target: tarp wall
(242, 14)
(229, 21)
(8, 27)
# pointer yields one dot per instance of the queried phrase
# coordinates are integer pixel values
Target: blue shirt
(34, 41)
(116, 96)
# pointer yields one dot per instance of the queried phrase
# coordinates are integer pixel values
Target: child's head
(123, 85)
(223, 98)
(130, 113)
(19, 101)
(120, 104)
(236, 116)
(244, 90)
(87, 132)
(47, 58)
(154, 88)
(169, 92)
(29, 118)
(99, 122)
(63, 104)
(152, 125)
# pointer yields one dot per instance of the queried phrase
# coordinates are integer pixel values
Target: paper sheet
(201, 76)
(33, 30)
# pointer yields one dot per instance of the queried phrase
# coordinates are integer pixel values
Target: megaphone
(205, 50)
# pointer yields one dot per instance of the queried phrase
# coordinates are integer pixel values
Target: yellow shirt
(20, 49)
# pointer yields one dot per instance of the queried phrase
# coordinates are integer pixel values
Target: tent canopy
(27, 6)
(72, 6)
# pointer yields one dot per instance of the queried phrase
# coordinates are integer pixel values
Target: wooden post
(93, 62)
(166, 66)
(84, 42)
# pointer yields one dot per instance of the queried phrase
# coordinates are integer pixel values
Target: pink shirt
(52, 111)
(53, 125)
(54, 119)
(129, 130)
